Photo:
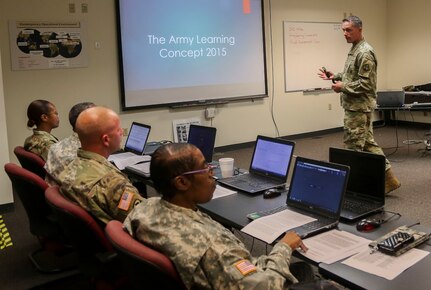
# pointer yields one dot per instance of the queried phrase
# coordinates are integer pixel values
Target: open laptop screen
(204, 138)
(318, 185)
(137, 138)
(390, 98)
(367, 172)
(272, 156)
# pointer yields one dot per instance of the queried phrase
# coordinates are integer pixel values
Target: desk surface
(232, 211)
(407, 107)
(415, 277)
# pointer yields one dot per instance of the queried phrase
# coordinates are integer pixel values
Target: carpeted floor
(404, 147)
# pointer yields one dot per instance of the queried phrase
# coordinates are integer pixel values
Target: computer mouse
(366, 225)
(272, 192)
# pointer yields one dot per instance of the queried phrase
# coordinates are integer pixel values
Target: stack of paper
(121, 160)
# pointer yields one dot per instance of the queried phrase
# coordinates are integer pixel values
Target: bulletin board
(307, 47)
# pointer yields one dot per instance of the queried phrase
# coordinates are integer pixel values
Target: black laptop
(390, 98)
(203, 137)
(365, 192)
(269, 166)
(317, 189)
(137, 138)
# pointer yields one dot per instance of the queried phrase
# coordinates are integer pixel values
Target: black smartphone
(325, 72)
(328, 75)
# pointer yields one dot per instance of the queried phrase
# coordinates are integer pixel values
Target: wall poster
(181, 128)
(47, 45)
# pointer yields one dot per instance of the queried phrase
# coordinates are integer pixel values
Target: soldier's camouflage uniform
(358, 98)
(59, 156)
(39, 143)
(206, 254)
(99, 187)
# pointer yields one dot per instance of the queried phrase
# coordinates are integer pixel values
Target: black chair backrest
(30, 161)
(143, 264)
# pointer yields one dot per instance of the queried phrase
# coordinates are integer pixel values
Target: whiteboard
(307, 47)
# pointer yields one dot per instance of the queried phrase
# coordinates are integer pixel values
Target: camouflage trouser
(358, 133)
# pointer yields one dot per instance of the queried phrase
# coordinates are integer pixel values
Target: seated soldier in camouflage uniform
(206, 254)
(63, 152)
(44, 116)
(90, 179)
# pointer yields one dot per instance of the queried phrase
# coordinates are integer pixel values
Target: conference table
(389, 113)
(232, 210)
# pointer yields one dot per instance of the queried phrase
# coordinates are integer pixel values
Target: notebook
(390, 98)
(365, 191)
(204, 138)
(317, 190)
(269, 166)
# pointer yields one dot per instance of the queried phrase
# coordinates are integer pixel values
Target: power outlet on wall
(125, 131)
(72, 8)
(210, 113)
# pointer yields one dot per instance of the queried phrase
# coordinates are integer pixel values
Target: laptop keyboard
(357, 206)
(313, 225)
(252, 181)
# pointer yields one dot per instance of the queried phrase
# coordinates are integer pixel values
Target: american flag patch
(245, 267)
(125, 200)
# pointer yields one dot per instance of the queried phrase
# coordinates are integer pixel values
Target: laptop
(269, 166)
(204, 138)
(365, 192)
(317, 190)
(136, 141)
(137, 138)
(390, 98)
(134, 148)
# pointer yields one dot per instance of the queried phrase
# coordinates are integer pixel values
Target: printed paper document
(121, 160)
(333, 245)
(384, 265)
(221, 191)
(269, 228)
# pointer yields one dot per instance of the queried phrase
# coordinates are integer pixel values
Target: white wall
(236, 122)
(409, 43)
(6, 195)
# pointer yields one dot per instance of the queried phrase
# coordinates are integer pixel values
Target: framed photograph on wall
(181, 128)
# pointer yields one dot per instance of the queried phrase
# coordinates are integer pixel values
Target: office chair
(30, 161)
(143, 264)
(55, 254)
(97, 258)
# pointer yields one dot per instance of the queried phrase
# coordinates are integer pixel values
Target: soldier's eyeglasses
(208, 168)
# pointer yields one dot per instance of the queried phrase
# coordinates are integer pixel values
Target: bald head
(99, 130)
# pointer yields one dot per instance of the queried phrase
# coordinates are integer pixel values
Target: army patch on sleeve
(245, 267)
(125, 200)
